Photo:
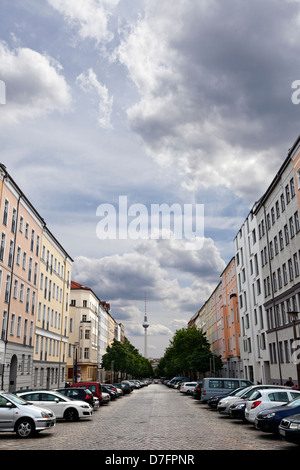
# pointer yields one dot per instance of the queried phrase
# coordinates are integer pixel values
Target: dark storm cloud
(216, 88)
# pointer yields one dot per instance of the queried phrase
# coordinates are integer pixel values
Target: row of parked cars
(270, 408)
(27, 412)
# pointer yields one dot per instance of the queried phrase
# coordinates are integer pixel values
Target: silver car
(17, 415)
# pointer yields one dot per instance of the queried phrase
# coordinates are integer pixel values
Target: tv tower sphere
(145, 326)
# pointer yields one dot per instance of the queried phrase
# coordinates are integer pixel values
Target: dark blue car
(269, 420)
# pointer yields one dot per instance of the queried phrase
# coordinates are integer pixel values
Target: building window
(2, 246)
(7, 289)
(292, 186)
(277, 209)
(282, 202)
(13, 221)
(286, 234)
(281, 245)
(21, 225)
(292, 230)
(5, 212)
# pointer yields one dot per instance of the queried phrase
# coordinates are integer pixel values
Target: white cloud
(88, 82)
(90, 17)
(34, 85)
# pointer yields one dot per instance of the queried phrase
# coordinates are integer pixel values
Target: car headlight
(85, 406)
(268, 416)
(238, 407)
(45, 414)
(294, 426)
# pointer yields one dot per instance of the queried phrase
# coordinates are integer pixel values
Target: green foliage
(125, 358)
(188, 353)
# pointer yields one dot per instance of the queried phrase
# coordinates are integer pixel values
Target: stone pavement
(153, 418)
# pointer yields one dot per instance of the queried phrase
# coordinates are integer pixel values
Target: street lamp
(294, 315)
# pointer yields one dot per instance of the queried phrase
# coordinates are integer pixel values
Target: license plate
(282, 432)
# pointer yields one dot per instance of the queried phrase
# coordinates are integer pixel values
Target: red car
(94, 387)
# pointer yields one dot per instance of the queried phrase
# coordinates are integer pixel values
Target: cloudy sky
(183, 102)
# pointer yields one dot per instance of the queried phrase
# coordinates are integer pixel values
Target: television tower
(145, 326)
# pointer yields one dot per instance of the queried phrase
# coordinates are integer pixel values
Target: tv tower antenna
(145, 326)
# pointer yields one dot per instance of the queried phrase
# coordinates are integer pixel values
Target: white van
(213, 386)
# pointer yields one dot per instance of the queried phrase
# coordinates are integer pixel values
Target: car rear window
(255, 395)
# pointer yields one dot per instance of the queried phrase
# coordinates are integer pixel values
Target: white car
(17, 415)
(242, 395)
(187, 387)
(266, 399)
(63, 407)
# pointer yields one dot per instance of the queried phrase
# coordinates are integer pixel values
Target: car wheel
(25, 428)
(71, 415)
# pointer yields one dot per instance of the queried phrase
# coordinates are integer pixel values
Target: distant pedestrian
(289, 383)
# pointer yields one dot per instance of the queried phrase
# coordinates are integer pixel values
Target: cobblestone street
(153, 418)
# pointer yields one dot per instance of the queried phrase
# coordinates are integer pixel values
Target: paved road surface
(154, 418)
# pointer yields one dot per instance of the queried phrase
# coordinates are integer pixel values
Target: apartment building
(92, 329)
(230, 322)
(277, 215)
(82, 361)
(219, 320)
(253, 343)
(52, 318)
(21, 231)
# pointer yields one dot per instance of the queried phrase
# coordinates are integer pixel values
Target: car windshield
(243, 391)
(15, 399)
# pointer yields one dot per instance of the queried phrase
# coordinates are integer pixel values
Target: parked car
(128, 383)
(112, 393)
(237, 410)
(125, 387)
(134, 384)
(289, 429)
(187, 387)
(19, 416)
(80, 393)
(213, 401)
(94, 387)
(197, 391)
(212, 386)
(105, 398)
(174, 381)
(63, 407)
(224, 403)
(269, 420)
(266, 399)
(117, 390)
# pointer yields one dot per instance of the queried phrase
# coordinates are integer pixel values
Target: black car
(237, 410)
(269, 420)
(289, 429)
(80, 393)
(197, 391)
(113, 389)
(213, 401)
(124, 386)
(113, 395)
